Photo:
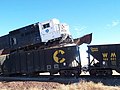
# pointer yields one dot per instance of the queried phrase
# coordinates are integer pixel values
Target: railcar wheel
(65, 73)
(62, 73)
(92, 72)
(100, 72)
(77, 75)
(109, 72)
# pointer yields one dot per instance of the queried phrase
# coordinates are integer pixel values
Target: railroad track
(43, 78)
(111, 80)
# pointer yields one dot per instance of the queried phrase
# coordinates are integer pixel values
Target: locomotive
(35, 36)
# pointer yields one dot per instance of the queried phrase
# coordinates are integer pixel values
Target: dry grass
(87, 86)
(82, 85)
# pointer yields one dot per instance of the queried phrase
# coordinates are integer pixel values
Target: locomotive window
(46, 25)
(13, 41)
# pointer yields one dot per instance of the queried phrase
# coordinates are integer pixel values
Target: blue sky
(100, 17)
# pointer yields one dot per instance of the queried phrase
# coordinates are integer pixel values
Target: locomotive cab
(53, 29)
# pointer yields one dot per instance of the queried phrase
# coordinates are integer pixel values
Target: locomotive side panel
(25, 36)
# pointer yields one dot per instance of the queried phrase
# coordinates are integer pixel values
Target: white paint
(52, 29)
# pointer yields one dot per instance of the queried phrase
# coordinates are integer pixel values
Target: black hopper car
(65, 61)
(105, 59)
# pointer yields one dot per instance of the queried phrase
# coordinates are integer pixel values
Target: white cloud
(113, 24)
(79, 28)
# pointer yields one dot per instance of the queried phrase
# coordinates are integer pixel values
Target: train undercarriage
(63, 73)
(70, 72)
(100, 72)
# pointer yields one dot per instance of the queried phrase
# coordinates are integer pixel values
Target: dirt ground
(36, 85)
(28, 85)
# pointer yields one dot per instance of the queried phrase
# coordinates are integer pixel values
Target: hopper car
(65, 61)
(105, 59)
